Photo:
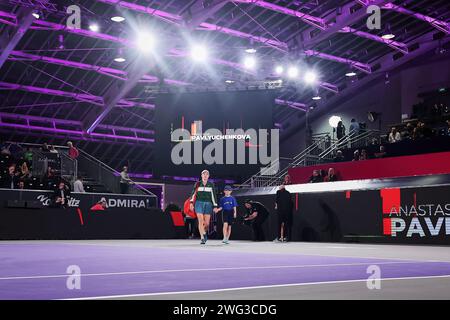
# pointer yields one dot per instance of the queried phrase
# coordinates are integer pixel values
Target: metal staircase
(322, 150)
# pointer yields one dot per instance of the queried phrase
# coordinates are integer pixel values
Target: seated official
(339, 157)
(61, 195)
(316, 177)
(381, 154)
(331, 176)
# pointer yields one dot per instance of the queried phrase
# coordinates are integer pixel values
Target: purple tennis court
(180, 269)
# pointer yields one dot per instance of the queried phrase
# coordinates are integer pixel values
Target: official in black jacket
(61, 195)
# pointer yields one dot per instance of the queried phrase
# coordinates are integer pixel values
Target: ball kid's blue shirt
(228, 203)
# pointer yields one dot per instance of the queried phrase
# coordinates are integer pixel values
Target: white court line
(207, 269)
(250, 288)
(257, 252)
(215, 248)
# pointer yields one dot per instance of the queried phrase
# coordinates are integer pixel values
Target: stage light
(316, 97)
(36, 15)
(229, 81)
(199, 53)
(118, 19)
(292, 72)
(94, 27)
(279, 69)
(388, 36)
(334, 120)
(119, 59)
(310, 77)
(249, 62)
(387, 33)
(250, 50)
(145, 42)
(350, 74)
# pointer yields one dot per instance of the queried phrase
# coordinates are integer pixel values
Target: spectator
(340, 130)
(408, 131)
(331, 176)
(124, 180)
(356, 155)
(445, 131)
(394, 135)
(287, 180)
(25, 172)
(339, 157)
(417, 134)
(426, 131)
(100, 206)
(78, 185)
(28, 156)
(73, 152)
(380, 154)
(437, 109)
(316, 177)
(21, 185)
(374, 142)
(45, 148)
(12, 179)
(49, 178)
(52, 149)
(354, 127)
(61, 195)
(363, 155)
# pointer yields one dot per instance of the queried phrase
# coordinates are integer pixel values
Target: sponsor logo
(423, 220)
(46, 201)
(127, 203)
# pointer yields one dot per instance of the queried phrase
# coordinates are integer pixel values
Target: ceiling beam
(175, 18)
(8, 41)
(200, 11)
(399, 46)
(436, 23)
(356, 64)
(36, 123)
(115, 73)
(316, 22)
(347, 16)
(118, 90)
(83, 97)
(119, 74)
(292, 104)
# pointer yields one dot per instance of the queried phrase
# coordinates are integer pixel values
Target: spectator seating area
(404, 166)
(44, 175)
(413, 136)
(415, 147)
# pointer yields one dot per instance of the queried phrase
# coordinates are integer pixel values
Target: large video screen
(212, 130)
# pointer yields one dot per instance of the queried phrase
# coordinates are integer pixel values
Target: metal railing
(268, 176)
(106, 175)
(322, 150)
(352, 140)
(69, 168)
(61, 162)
